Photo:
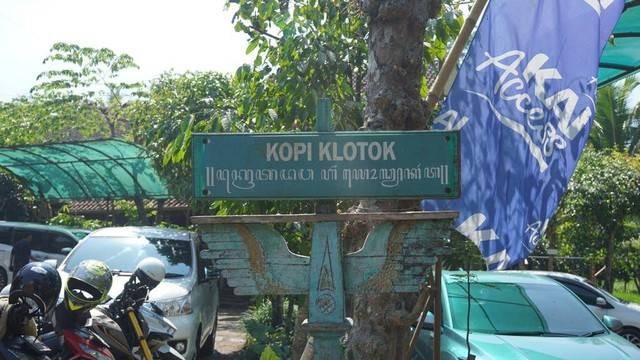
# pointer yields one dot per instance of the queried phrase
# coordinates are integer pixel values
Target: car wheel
(4, 279)
(210, 343)
(631, 334)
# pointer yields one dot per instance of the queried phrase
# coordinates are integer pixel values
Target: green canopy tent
(621, 56)
(89, 170)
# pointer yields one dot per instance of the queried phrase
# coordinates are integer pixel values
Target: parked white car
(189, 294)
(48, 242)
(602, 303)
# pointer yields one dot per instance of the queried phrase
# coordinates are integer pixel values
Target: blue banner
(523, 100)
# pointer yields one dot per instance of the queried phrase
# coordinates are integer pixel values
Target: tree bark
(395, 65)
(142, 212)
(276, 311)
(608, 281)
(394, 75)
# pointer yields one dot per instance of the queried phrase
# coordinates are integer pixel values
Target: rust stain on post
(257, 262)
(256, 254)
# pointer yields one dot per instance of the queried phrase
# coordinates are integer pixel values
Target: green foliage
(269, 354)
(177, 106)
(38, 120)
(464, 254)
(627, 264)
(63, 218)
(621, 291)
(130, 211)
(614, 126)
(80, 97)
(85, 73)
(303, 50)
(89, 80)
(602, 198)
(16, 201)
(308, 49)
(262, 336)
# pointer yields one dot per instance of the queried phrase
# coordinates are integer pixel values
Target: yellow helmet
(88, 285)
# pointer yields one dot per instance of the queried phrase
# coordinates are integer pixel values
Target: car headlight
(176, 306)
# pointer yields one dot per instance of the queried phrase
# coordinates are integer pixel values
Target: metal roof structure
(621, 56)
(88, 170)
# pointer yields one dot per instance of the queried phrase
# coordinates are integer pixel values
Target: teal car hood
(498, 347)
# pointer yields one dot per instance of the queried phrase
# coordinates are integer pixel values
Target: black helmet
(40, 279)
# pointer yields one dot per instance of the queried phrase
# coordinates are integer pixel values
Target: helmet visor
(81, 295)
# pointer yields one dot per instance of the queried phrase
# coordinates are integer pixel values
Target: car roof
(497, 277)
(33, 226)
(554, 274)
(145, 231)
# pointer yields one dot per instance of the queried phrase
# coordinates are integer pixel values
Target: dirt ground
(230, 335)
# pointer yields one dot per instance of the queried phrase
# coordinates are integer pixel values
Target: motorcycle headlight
(176, 306)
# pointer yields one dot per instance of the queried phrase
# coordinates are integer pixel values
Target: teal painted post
(326, 323)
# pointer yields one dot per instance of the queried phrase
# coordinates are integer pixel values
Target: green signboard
(358, 165)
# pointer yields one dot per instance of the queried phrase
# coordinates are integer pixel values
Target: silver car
(602, 303)
(188, 295)
(48, 242)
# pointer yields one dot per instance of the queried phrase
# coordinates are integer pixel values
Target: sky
(160, 35)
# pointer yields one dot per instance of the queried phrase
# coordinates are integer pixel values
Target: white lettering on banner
(599, 5)
(536, 230)
(511, 87)
(520, 130)
(470, 228)
(449, 119)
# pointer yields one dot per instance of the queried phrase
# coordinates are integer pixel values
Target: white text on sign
(330, 151)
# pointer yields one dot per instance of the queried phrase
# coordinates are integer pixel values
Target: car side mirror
(612, 323)
(65, 251)
(211, 274)
(600, 301)
(52, 262)
(206, 254)
(428, 322)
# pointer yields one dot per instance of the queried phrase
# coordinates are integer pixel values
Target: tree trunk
(608, 280)
(395, 66)
(142, 212)
(395, 71)
(276, 311)
(299, 336)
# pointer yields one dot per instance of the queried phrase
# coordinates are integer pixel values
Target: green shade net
(100, 169)
(621, 56)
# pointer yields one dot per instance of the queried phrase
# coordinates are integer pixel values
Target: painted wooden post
(326, 323)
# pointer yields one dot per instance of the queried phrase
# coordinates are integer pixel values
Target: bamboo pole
(416, 331)
(437, 310)
(438, 88)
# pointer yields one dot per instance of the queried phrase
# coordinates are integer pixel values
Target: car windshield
(80, 234)
(531, 309)
(123, 253)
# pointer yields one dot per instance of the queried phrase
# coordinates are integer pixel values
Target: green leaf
(269, 354)
(252, 45)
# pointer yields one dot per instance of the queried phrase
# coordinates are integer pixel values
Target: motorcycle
(26, 316)
(24, 309)
(133, 328)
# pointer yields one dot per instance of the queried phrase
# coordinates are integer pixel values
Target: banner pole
(438, 88)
